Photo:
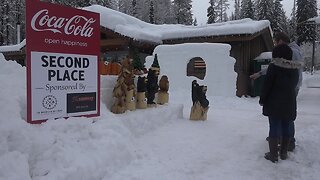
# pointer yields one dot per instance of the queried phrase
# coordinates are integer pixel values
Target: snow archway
(220, 76)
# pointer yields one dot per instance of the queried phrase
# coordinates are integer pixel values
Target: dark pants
(280, 128)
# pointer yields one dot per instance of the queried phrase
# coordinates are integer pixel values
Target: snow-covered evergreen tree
(195, 22)
(264, 10)
(279, 18)
(293, 23)
(71, 3)
(237, 7)
(166, 11)
(211, 12)
(306, 9)
(232, 16)
(124, 6)
(12, 14)
(144, 10)
(182, 9)
(83, 3)
(112, 4)
(222, 6)
(163, 12)
(151, 13)
(247, 9)
(133, 10)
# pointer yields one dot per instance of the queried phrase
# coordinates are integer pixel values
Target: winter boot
(273, 154)
(284, 148)
(292, 145)
(279, 142)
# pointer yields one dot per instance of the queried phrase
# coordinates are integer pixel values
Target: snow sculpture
(124, 90)
(200, 105)
(163, 95)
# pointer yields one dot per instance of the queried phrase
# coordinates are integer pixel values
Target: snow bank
(264, 55)
(77, 148)
(16, 47)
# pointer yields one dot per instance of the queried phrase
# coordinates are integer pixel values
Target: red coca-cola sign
(76, 25)
(63, 49)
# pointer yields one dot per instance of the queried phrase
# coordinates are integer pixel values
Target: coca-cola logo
(77, 25)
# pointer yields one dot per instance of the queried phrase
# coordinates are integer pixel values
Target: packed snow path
(229, 145)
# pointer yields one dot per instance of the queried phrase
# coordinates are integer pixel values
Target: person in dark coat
(278, 98)
(283, 38)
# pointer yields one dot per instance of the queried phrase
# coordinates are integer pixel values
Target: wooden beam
(216, 39)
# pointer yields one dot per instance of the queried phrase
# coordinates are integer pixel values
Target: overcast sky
(199, 8)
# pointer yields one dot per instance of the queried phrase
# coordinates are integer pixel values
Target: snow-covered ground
(153, 144)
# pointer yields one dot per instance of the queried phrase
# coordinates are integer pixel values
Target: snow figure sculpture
(152, 82)
(124, 90)
(163, 95)
(155, 64)
(141, 93)
(200, 105)
(152, 87)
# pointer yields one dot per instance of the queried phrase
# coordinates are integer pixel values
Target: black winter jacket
(278, 95)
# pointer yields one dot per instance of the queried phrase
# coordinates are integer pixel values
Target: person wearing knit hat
(278, 98)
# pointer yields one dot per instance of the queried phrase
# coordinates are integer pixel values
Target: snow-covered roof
(315, 19)
(134, 28)
(139, 30)
(264, 55)
(16, 47)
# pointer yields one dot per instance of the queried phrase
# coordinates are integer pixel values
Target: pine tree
(12, 14)
(293, 23)
(195, 22)
(211, 12)
(306, 9)
(264, 10)
(182, 10)
(222, 6)
(151, 13)
(279, 18)
(137, 64)
(124, 6)
(133, 9)
(247, 9)
(162, 11)
(165, 12)
(168, 8)
(112, 4)
(237, 8)
(134, 54)
(233, 16)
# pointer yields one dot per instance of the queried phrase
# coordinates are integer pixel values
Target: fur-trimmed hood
(288, 64)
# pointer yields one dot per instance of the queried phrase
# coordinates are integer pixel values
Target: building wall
(244, 52)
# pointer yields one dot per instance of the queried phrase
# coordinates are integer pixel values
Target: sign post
(63, 50)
